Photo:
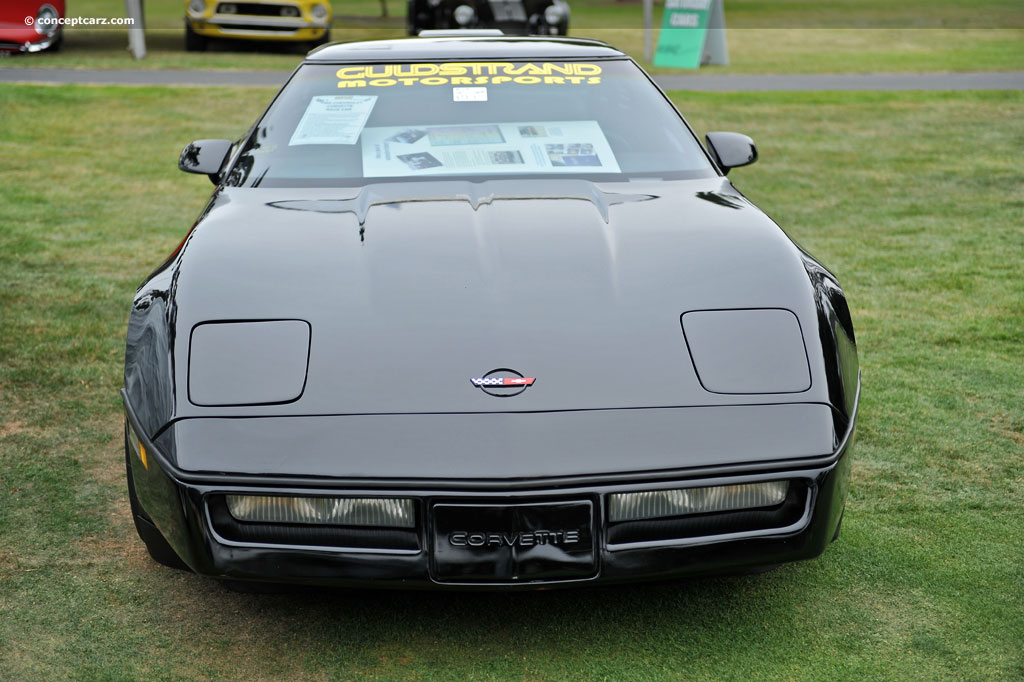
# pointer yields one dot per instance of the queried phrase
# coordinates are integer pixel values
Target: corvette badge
(503, 383)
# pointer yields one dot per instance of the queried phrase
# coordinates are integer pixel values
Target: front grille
(351, 537)
(253, 9)
(694, 526)
(512, 28)
(508, 10)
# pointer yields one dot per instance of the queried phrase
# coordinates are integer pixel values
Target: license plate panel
(508, 10)
(513, 543)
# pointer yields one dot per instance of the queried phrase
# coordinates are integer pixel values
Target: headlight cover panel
(262, 362)
(747, 351)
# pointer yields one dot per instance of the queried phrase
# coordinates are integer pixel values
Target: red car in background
(30, 25)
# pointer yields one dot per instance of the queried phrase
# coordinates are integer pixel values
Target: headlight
(662, 503)
(227, 8)
(464, 15)
(553, 15)
(318, 12)
(338, 511)
(289, 11)
(46, 20)
(197, 7)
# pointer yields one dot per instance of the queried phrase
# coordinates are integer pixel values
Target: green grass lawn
(915, 200)
(764, 36)
(741, 13)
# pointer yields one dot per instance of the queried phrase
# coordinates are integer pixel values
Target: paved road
(1006, 80)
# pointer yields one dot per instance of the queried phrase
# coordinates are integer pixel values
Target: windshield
(346, 125)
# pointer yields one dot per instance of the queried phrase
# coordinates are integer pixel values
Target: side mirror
(731, 150)
(205, 156)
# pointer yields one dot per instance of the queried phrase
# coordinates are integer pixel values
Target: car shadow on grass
(731, 607)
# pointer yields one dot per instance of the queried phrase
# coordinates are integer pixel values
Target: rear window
(347, 125)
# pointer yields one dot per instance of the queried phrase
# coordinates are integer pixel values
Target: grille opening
(781, 515)
(254, 9)
(339, 537)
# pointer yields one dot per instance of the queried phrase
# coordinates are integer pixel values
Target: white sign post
(715, 49)
(648, 19)
(136, 34)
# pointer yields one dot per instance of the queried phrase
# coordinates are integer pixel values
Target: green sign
(685, 25)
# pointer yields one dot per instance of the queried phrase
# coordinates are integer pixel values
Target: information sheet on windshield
(333, 119)
(487, 148)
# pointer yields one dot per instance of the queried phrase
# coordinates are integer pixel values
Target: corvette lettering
(469, 73)
(521, 539)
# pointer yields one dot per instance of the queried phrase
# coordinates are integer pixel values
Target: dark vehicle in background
(30, 25)
(511, 17)
(483, 313)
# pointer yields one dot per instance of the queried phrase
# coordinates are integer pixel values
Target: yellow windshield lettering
(351, 72)
(469, 73)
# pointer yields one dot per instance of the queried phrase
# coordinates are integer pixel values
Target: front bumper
(258, 28)
(26, 40)
(183, 506)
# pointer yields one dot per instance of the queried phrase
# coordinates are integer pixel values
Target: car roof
(502, 47)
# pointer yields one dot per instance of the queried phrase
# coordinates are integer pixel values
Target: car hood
(411, 289)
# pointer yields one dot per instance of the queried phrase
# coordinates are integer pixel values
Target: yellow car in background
(297, 21)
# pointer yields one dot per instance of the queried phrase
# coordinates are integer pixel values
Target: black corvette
(482, 312)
